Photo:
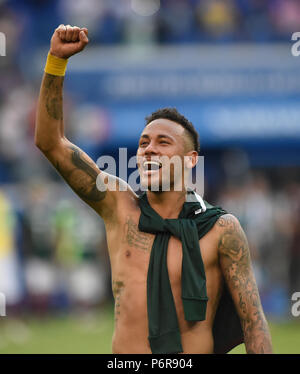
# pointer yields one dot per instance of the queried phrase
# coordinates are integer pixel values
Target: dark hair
(173, 115)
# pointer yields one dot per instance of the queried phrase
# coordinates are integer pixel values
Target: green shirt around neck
(195, 220)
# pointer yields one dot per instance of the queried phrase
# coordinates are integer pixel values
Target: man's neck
(167, 204)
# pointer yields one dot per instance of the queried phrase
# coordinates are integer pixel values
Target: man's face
(161, 151)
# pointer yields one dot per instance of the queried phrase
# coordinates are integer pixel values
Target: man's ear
(191, 159)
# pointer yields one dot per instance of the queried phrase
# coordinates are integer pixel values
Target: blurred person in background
(218, 19)
(11, 284)
(61, 251)
(39, 245)
(292, 191)
(78, 243)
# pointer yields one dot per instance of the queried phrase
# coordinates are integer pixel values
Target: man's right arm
(76, 167)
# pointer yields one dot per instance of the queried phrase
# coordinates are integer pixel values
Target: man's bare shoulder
(211, 241)
(227, 222)
(228, 226)
(226, 233)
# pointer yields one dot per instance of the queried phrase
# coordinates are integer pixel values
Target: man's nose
(150, 149)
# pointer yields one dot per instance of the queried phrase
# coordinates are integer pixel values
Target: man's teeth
(152, 165)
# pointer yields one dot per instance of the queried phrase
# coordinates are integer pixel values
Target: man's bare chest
(132, 248)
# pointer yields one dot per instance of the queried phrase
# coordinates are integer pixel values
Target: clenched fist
(67, 41)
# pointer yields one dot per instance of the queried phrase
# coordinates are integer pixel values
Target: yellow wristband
(56, 65)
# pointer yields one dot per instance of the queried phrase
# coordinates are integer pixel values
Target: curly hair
(172, 114)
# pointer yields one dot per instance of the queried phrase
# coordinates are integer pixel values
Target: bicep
(236, 267)
(81, 174)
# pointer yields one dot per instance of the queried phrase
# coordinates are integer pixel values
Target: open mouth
(152, 166)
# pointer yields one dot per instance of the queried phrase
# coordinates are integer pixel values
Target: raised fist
(67, 41)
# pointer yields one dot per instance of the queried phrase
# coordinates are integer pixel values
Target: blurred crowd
(178, 21)
(29, 24)
(53, 253)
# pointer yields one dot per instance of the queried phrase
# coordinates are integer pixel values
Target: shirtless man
(224, 248)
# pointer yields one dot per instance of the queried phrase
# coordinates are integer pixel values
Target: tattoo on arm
(236, 266)
(82, 177)
(54, 96)
(81, 174)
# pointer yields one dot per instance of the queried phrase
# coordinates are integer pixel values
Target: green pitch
(92, 333)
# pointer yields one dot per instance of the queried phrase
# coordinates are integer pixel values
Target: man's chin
(151, 184)
(155, 185)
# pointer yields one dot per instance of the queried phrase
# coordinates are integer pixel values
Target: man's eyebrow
(145, 136)
(165, 136)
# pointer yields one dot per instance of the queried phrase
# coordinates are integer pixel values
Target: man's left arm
(236, 267)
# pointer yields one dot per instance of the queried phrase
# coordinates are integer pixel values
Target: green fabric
(192, 224)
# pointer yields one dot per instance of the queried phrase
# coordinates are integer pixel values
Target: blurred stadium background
(227, 65)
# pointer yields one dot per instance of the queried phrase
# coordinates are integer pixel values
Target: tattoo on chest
(136, 238)
(117, 288)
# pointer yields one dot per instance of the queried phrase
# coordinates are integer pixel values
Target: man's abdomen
(131, 322)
